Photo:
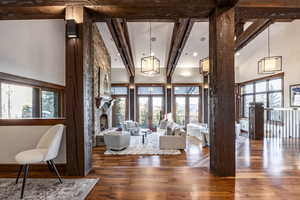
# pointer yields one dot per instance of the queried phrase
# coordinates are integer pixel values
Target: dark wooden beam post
(131, 98)
(169, 95)
(221, 81)
(205, 98)
(79, 94)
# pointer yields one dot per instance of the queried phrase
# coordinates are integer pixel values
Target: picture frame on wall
(295, 95)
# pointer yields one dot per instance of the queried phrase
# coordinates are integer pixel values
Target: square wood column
(221, 81)
(79, 94)
(131, 98)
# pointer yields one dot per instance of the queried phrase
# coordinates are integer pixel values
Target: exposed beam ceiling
(251, 32)
(119, 31)
(44, 12)
(181, 32)
(226, 2)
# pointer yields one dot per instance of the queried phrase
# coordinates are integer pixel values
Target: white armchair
(132, 127)
(46, 151)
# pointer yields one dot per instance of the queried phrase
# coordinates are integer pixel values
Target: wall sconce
(71, 29)
(168, 86)
(131, 86)
(205, 85)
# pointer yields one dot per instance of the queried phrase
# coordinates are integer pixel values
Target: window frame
(37, 87)
(187, 104)
(267, 92)
(126, 96)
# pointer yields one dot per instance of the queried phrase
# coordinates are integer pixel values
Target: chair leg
(26, 169)
(19, 173)
(50, 166)
(56, 171)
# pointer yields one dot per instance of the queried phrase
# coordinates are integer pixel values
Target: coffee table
(144, 132)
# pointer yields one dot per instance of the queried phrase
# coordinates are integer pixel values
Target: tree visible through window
(49, 104)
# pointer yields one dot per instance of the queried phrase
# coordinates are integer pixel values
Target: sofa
(117, 140)
(132, 127)
(172, 136)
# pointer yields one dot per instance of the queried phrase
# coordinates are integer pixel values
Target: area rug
(151, 147)
(47, 189)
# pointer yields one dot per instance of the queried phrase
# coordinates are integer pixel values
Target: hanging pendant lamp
(150, 65)
(270, 64)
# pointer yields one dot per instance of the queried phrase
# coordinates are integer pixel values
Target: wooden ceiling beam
(119, 31)
(24, 13)
(251, 32)
(227, 3)
(181, 32)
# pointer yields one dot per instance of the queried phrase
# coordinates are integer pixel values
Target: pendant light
(270, 64)
(150, 65)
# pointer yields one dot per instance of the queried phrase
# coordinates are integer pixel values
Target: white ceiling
(140, 40)
(195, 49)
(162, 31)
(116, 60)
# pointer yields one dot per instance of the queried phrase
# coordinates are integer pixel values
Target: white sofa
(176, 141)
(117, 140)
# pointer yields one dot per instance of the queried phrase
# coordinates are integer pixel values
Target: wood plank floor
(266, 170)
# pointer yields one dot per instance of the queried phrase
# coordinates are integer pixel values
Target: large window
(120, 111)
(267, 91)
(187, 104)
(22, 101)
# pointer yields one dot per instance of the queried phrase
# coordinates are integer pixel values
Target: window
(19, 100)
(119, 109)
(16, 101)
(268, 91)
(187, 104)
(50, 105)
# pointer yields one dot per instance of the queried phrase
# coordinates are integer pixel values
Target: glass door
(156, 110)
(193, 109)
(143, 109)
(180, 110)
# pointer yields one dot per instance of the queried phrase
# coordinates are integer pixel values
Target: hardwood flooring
(266, 170)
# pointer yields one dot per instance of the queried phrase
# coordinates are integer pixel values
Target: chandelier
(270, 64)
(204, 66)
(150, 65)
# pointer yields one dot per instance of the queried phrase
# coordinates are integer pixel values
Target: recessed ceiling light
(152, 53)
(118, 54)
(153, 39)
(238, 54)
(195, 54)
(202, 39)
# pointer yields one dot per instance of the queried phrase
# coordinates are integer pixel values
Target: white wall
(187, 75)
(119, 75)
(181, 75)
(33, 49)
(15, 139)
(285, 42)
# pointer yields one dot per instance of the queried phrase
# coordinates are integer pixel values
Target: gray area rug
(151, 147)
(46, 189)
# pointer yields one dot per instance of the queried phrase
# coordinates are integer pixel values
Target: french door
(187, 109)
(150, 110)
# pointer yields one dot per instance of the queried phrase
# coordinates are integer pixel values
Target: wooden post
(79, 94)
(205, 98)
(169, 95)
(221, 80)
(131, 98)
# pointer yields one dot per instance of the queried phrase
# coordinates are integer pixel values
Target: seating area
(149, 99)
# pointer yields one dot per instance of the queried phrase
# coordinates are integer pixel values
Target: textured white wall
(285, 42)
(33, 49)
(14, 139)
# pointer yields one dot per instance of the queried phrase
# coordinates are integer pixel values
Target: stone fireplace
(103, 122)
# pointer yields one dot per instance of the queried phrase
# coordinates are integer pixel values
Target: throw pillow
(163, 124)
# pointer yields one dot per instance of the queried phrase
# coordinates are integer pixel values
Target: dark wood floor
(265, 170)
(268, 170)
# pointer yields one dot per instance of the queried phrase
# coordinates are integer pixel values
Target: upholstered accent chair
(117, 140)
(46, 150)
